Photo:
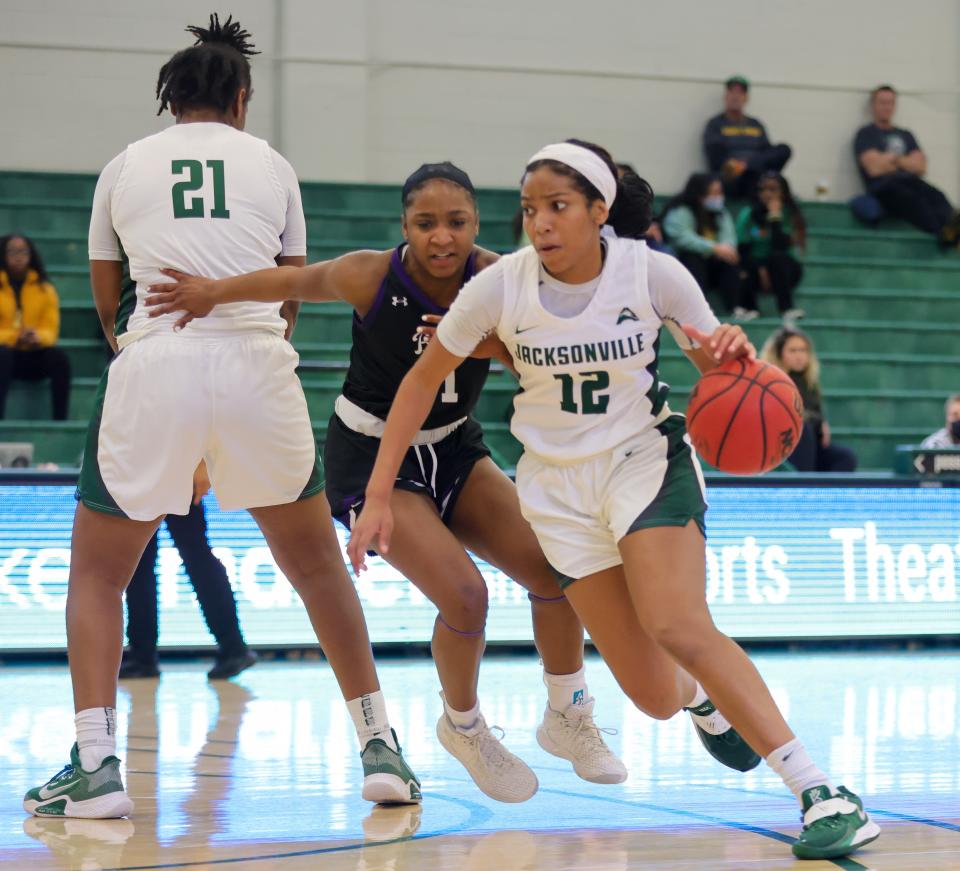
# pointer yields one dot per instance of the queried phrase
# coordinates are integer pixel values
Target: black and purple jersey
(386, 345)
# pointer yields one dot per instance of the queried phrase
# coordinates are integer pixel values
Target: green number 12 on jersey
(195, 208)
(592, 399)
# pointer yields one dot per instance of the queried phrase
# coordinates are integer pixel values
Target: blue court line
(157, 738)
(910, 818)
(478, 815)
(197, 755)
(846, 864)
(192, 774)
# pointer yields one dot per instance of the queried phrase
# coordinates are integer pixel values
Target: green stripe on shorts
(316, 482)
(679, 499)
(91, 490)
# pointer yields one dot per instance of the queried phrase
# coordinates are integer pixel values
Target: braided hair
(211, 72)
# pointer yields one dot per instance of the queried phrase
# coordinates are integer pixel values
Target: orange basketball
(745, 417)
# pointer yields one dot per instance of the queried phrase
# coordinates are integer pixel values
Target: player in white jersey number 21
(209, 198)
(608, 480)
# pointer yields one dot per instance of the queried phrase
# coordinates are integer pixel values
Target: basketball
(745, 417)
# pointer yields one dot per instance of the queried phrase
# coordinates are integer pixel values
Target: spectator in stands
(209, 580)
(792, 350)
(30, 324)
(770, 231)
(737, 146)
(892, 166)
(949, 436)
(701, 230)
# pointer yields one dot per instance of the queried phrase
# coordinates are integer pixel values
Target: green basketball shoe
(727, 747)
(833, 825)
(74, 792)
(387, 779)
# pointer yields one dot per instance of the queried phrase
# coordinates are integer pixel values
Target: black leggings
(912, 199)
(714, 274)
(209, 580)
(785, 274)
(52, 363)
(811, 456)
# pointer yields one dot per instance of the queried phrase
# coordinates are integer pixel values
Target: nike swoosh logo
(60, 790)
(525, 329)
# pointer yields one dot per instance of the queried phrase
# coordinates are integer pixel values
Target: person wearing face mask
(792, 350)
(699, 227)
(949, 436)
(30, 324)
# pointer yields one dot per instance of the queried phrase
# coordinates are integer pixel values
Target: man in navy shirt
(737, 146)
(892, 166)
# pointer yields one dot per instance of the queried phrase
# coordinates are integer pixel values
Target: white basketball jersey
(206, 199)
(590, 381)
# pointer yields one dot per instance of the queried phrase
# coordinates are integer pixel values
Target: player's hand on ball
(375, 524)
(727, 342)
(186, 293)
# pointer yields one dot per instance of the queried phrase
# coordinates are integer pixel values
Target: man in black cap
(737, 146)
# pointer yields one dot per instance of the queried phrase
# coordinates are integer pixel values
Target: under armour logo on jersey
(626, 314)
(400, 300)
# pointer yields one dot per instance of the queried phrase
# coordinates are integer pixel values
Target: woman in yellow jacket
(30, 325)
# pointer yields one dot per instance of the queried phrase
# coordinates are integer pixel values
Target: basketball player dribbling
(448, 495)
(206, 196)
(608, 480)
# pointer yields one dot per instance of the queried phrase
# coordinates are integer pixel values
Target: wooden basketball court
(264, 773)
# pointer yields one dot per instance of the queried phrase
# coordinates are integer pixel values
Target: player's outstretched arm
(410, 408)
(342, 279)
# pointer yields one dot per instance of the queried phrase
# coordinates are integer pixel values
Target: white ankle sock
(712, 724)
(699, 697)
(564, 690)
(369, 715)
(796, 768)
(96, 736)
(463, 720)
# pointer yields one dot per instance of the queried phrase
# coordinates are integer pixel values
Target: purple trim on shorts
(345, 507)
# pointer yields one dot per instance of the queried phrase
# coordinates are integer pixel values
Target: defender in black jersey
(386, 344)
(449, 496)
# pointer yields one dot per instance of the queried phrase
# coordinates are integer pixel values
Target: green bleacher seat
(882, 308)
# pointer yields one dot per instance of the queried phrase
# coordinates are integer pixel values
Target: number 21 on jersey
(196, 208)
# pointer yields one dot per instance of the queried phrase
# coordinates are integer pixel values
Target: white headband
(591, 166)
